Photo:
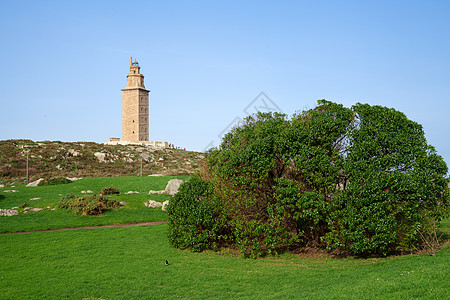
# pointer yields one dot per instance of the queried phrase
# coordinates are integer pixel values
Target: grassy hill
(88, 159)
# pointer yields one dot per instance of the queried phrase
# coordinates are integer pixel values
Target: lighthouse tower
(135, 106)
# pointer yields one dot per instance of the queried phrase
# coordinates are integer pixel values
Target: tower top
(133, 63)
(134, 66)
(135, 79)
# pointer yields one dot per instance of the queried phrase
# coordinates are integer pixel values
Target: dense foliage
(359, 181)
(110, 190)
(54, 181)
(88, 205)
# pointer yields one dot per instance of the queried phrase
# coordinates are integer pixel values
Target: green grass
(128, 263)
(133, 211)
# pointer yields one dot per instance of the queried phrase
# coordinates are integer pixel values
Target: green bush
(88, 205)
(110, 191)
(396, 184)
(360, 181)
(193, 215)
(54, 181)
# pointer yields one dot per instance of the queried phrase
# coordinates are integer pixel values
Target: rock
(36, 209)
(172, 186)
(153, 204)
(87, 192)
(73, 178)
(74, 152)
(122, 203)
(37, 198)
(156, 192)
(59, 167)
(35, 183)
(31, 209)
(100, 156)
(10, 191)
(164, 205)
(2, 186)
(8, 212)
(156, 175)
(131, 192)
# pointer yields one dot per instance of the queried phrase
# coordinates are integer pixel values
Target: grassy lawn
(128, 263)
(125, 263)
(133, 211)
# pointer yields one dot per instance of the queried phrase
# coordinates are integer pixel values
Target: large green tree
(357, 181)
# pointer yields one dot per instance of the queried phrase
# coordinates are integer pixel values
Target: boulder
(122, 203)
(74, 152)
(164, 205)
(172, 186)
(153, 204)
(131, 192)
(35, 183)
(2, 186)
(10, 191)
(100, 156)
(37, 198)
(8, 212)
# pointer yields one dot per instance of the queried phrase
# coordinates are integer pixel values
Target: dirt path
(92, 227)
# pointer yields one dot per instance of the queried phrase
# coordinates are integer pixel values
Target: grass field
(128, 263)
(133, 211)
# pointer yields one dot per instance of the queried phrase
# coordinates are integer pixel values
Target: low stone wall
(151, 144)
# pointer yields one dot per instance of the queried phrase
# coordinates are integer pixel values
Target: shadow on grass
(2, 197)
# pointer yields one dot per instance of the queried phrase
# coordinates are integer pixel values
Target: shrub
(360, 181)
(88, 205)
(396, 182)
(54, 181)
(110, 191)
(194, 217)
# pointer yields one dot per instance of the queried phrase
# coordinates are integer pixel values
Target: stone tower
(135, 108)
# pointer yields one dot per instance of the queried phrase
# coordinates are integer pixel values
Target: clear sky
(63, 63)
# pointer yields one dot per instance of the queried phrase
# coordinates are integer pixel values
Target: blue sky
(63, 63)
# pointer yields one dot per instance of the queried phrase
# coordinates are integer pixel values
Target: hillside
(88, 159)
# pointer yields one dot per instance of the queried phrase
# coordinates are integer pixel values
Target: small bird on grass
(167, 262)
